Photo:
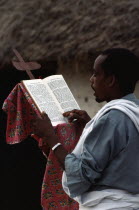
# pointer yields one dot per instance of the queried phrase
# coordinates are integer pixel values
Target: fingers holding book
(42, 127)
(78, 116)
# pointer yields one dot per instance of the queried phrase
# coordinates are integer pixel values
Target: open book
(51, 95)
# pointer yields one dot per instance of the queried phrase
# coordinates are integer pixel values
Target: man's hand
(80, 116)
(43, 128)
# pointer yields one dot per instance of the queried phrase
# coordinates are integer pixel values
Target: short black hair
(124, 64)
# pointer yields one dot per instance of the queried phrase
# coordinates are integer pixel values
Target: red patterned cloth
(21, 111)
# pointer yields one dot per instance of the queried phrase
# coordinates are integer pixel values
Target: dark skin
(80, 116)
(106, 88)
(46, 130)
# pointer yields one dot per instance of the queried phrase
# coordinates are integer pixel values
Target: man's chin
(99, 100)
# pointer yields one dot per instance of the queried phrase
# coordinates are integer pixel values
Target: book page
(62, 92)
(44, 100)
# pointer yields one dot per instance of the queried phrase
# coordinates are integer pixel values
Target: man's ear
(111, 80)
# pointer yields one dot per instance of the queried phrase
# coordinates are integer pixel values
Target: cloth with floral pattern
(21, 111)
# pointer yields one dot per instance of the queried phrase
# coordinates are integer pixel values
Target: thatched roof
(64, 28)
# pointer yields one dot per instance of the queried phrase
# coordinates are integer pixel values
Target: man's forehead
(99, 60)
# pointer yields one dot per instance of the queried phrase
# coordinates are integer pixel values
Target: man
(102, 171)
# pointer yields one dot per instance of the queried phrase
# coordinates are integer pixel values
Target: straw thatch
(43, 29)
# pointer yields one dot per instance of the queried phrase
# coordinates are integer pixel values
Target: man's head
(116, 72)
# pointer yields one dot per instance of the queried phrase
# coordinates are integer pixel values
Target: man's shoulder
(115, 116)
(132, 98)
(112, 118)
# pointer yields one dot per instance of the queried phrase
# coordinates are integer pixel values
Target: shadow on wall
(23, 164)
